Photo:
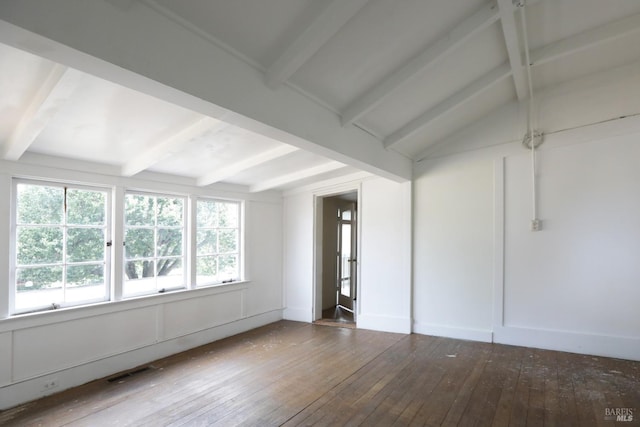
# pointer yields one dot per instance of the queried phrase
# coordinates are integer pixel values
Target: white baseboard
(298, 314)
(401, 325)
(24, 391)
(453, 332)
(572, 342)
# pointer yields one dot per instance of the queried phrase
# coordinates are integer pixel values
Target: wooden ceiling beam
(470, 27)
(53, 93)
(170, 142)
(474, 89)
(585, 40)
(296, 176)
(338, 13)
(512, 41)
(245, 164)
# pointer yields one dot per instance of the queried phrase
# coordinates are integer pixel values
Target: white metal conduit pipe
(532, 138)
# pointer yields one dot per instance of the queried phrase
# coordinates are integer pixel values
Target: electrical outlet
(50, 385)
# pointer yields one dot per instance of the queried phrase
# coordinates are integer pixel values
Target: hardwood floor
(293, 374)
(337, 316)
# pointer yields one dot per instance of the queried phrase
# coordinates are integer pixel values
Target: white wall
(384, 300)
(480, 273)
(298, 257)
(579, 276)
(384, 274)
(76, 345)
(453, 262)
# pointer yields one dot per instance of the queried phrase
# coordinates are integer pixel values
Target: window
(218, 242)
(60, 245)
(154, 243)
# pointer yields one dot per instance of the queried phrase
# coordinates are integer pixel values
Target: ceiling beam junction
(551, 52)
(296, 176)
(53, 93)
(471, 26)
(170, 142)
(334, 17)
(245, 164)
(512, 41)
(469, 92)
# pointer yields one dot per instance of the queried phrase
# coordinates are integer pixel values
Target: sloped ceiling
(400, 75)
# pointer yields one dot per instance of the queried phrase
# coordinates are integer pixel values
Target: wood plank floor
(294, 374)
(336, 316)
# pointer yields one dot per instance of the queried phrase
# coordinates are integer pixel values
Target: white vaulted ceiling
(400, 75)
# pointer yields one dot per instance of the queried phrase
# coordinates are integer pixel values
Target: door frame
(318, 198)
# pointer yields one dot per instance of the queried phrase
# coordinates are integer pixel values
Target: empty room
(319, 212)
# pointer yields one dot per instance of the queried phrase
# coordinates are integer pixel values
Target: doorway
(337, 260)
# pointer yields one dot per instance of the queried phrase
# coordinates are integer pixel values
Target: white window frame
(13, 244)
(240, 250)
(185, 252)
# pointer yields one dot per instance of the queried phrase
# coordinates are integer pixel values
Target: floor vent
(126, 375)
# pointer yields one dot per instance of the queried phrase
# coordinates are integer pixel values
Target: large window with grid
(218, 242)
(63, 238)
(154, 243)
(59, 245)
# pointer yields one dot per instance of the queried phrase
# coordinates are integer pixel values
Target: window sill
(34, 319)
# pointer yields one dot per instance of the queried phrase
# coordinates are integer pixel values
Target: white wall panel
(385, 256)
(264, 257)
(5, 358)
(192, 315)
(453, 258)
(298, 257)
(572, 286)
(49, 348)
(581, 272)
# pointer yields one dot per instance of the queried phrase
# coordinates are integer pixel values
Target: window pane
(139, 269)
(227, 267)
(140, 277)
(91, 292)
(170, 211)
(85, 207)
(169, 266)
(170, 273)
(228, 241)
(169, 242)
(218, 241)
(38, 287)
(207, 214)
(37, 204)
(207, 269)
(38, 278)
(207, 242)
(139, 243)
(139, 210)
(39, 245)
(85, 244)
(85, 275)
(228, 215)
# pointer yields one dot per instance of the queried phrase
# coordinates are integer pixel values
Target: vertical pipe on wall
(533, 137)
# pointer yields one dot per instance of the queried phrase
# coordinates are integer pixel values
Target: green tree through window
(218, 241)
(60, 245)
(154, 243)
